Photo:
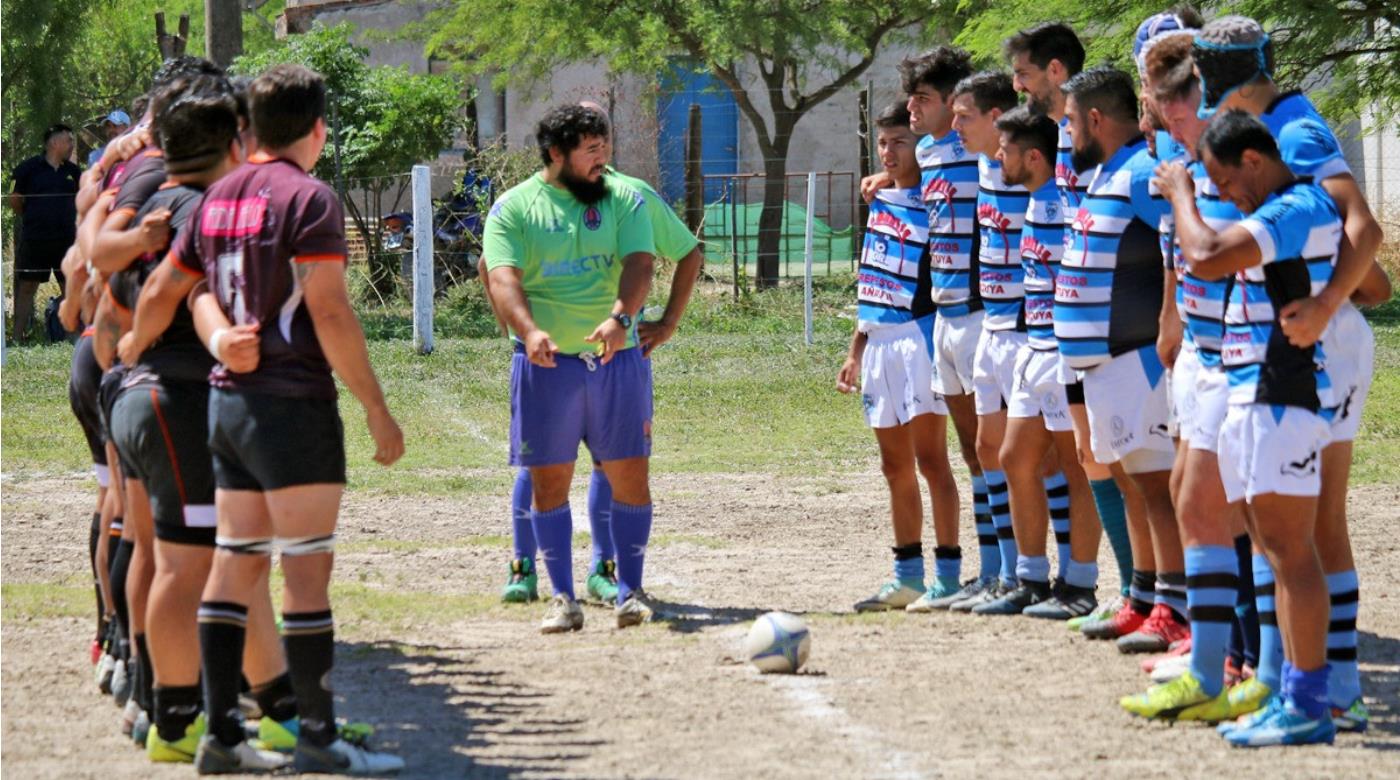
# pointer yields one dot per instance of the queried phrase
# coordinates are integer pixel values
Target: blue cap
(119, 118)
(1152, 27)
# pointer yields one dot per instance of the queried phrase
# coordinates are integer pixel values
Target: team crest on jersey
(592, 218)
(1052, 211)
(958, 150)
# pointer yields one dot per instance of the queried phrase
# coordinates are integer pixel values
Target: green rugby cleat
(523, 585)
(602, 582)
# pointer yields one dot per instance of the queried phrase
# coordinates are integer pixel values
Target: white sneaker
(564, 614)
(634, 610)
(892, 595)
(1168, 669)
(121, 683)
(342, 758)
(102, 673)
(130, 713)
(215, 758)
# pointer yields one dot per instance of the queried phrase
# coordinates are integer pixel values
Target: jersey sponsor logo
(942, 189)
(1083, 223)
(1066, 174)
(592, 218)
(894, 224)
(992, 218)
(1065, 284)
(1052, 210)
(226, 218)
(577, 266)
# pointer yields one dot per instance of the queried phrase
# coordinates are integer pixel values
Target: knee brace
(306, 545)
(255, 546)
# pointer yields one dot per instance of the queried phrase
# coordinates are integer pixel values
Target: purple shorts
(608, 407)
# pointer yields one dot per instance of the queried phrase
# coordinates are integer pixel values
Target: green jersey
(569, 254)
(673, 239)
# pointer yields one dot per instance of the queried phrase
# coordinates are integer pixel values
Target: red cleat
(1156, 634)
(96, 652)
(1178, 648)
(1125, 621)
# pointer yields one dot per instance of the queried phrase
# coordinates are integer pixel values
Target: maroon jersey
(253, 226)
(143, 175)
(114, 179)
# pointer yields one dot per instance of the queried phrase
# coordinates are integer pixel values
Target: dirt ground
(479, 693)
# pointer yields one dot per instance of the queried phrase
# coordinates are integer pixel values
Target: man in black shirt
(45, 186)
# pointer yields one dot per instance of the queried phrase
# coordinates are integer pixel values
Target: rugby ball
(778, 642)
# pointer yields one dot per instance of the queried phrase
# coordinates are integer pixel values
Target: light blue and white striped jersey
(1167, 147)
(1042, 246)
(1298, 232)
(1001, 210)
(1109, 291)
(1200, 303)
(1069, 182)
(1307, 145)
(949, 192)
(892, 287)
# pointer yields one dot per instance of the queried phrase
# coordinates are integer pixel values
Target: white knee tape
(260, 546)
(306, 545)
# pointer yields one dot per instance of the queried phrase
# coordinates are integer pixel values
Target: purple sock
(600, 517)
(522, 533)
(554, 530)
(631, 527)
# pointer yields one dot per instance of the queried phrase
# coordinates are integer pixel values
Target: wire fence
(732, 229)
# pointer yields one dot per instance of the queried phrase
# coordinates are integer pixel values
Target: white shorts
(994, 369)
(1212, 394)
(1184, 389)
(1039, 391)
(1350, 350)
(1130, 412)
(954, 348)
(896, 376)
(1271, 449)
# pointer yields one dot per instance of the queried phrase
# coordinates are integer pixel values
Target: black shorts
(83, 381)
(267, 442)
(162, 432)
(36, 258)
(109, 389)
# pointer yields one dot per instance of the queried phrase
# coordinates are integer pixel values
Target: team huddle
(1139, 309)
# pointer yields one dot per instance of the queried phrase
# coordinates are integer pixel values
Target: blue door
(684, 84)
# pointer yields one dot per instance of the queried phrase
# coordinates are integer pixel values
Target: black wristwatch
(624, 319)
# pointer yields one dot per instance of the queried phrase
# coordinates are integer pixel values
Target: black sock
(1142, 591)
(121, 563)
(908, 552)
(222, 631)
(176, 707)
(146, 679)
(93, 536)
(276, 699)
(310, 641)
(1246, 609)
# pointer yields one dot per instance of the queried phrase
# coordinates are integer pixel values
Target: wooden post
(223, 31)
(862, 210)
(694, 174)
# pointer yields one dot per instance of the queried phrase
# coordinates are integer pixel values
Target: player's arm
(508, 299)
(75, 275)
(1169, 325)
(160, 297)
(238, 347)
(874, 183)
(1210, 255)
(91, 222)
(110, 322)
(654, 334)
(114, 247)
(632, 289)
(848, 376)
(484, 274)
(1375, 289)
(343, 342)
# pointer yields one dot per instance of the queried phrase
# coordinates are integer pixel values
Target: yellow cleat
(1166, 700)
(181, 751)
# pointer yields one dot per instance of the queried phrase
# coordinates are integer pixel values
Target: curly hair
(565, 127)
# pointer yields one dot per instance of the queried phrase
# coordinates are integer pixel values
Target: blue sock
(1344, 686)
(554, 530)
(1212, 586)
(1246, 613)
(910, 571)
(947, 563)
(1057, 494)
(1113, 516)
(999, 501)
(986, 530)
(600, 517)
(631, 527)
(1270, 669)
(1307, 690)
(522, 533)
(1033, 568)
(1082, 575)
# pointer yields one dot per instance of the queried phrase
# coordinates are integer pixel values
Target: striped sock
(309, 639)
(554, 531)
(1113, 516)
(986, 531)
(1344, 684)
(1212, 585)
(1140, 591)
(1171, 590)
(1270, 669)
(947, 563)
(1057, 494)
(999, 501)
(223, 628)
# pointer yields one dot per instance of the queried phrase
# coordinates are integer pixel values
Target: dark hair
(285, 102)
(1106, 88)
(989, 89)
(183, 66)
(138, 106)
(195, 128)
(894, 115)
(1169, 68)
(240, 86)
(941, 68)
(565, 127)
(1030, 130)
(1189, 16)
(1045, 42)
(55, 129)
(1232, 132)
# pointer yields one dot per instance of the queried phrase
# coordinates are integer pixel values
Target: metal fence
(731, 224)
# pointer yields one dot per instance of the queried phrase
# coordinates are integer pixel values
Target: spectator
(113, 125)
(45, 187)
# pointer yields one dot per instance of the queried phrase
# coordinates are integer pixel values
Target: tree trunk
(770, 220)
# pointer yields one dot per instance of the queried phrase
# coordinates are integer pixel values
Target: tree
(799, 53)
(1345, 52)
(386, 119)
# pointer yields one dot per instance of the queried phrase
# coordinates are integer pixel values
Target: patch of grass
(401, 609)
(708, 542)
(38, 600)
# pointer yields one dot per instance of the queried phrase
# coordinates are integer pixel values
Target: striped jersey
(1298, 232)
(949, 192)
(1109, 291)
(1042, 245)
(1070, 183)
(1001, 210)
(1201, 303)
(893, 283)
(1305, 142)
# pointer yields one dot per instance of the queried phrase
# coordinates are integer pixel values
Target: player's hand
(1304, 320)
(874, 183)
(240, 348)
(611, 335)
(154, 231)
(540, 349)
(848, 378)
(125, 147)
(388, 438)
(1169, 336)
(651, 335)
(68, 311)
(128, 350)
(1173, 181)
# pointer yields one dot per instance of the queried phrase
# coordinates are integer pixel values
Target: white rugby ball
(778, 642)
